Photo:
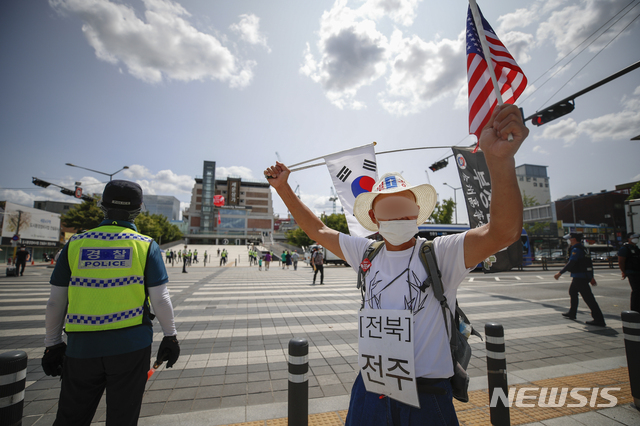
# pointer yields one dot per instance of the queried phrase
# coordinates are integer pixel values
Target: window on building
(521, 178)
(546, 185)
(528, 179)
(535, 184)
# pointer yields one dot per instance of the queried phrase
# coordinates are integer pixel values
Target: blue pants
(367, 408)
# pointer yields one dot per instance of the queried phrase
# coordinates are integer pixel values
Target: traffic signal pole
(566, 105)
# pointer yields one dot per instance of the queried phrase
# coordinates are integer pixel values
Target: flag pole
(377, 153)
(339, 152)
(487, 53)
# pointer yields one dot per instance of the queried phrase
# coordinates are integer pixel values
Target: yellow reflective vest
(106, 291)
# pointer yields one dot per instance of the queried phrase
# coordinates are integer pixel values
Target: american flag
(511, 79)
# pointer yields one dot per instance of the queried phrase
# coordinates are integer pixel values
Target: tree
(157, 227)
(86, 215)
(298, 237)
(336, 221)
(635, 192)
(529, 201)
(538, 228)
(443, 212)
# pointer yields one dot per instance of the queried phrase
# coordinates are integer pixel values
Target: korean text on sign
(385, 353)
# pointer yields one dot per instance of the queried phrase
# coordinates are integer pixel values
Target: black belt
(425, 385)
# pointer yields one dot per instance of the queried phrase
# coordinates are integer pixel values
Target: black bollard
(497, 373)
(13, 376)
(298, 382)
(631, 329)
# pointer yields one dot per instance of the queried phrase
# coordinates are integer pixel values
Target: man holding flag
(394, 279)
(394, 211)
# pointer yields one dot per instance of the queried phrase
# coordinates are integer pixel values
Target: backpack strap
(370, 253)
(428, 259)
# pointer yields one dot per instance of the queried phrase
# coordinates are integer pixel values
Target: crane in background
(333, 198)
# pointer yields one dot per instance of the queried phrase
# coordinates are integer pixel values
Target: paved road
(234, 325)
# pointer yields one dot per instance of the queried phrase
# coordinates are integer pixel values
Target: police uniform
(104, 279)
(631, 253)
(580, 280)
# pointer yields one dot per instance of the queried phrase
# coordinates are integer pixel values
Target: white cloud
(164, 182)
(318, 203)
(566, 129)
(249, 30)
(235, 171)
(402, 12)
(353, 54)
(571, 25)
(540, 150)
(520, 18)
(164, 45)
(422, 72)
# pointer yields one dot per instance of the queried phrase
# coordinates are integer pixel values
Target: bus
(433, 230)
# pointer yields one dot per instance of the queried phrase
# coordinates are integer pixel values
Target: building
(166, 205)
(599, 216)
(59, 207)
(39, 230)
(246, 216)
(534, 182)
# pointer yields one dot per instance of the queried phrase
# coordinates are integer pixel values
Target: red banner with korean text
(476, 189)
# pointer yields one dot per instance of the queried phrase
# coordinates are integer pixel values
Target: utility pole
(15, 248)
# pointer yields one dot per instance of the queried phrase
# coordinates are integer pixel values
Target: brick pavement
(234, 325)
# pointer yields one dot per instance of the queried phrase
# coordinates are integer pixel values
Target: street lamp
(96, 171)
(455, 200)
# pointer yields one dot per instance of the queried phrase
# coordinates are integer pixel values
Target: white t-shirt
(431, 343)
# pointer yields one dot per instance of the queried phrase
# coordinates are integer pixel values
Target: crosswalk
(241, 319)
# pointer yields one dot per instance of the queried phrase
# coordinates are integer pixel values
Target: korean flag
(353, 172)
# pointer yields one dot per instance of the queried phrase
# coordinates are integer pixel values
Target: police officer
(103, 281)
(629, 264)
(581, 278)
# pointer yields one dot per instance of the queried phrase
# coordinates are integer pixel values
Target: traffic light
(39, 182)
(438, 165)
(553, 112)
(66, 191)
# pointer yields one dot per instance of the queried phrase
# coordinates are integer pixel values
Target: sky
(160, 86)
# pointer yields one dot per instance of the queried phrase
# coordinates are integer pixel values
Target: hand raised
(277, 175)
(505, 120)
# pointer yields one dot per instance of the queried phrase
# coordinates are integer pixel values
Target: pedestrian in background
(287, 259)
(295, 258)
(22, 255)
(104, 311)
(580, 280)
(629, 264)
(317, 259)
(267, 260)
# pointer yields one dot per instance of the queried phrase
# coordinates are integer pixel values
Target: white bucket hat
(390, 183)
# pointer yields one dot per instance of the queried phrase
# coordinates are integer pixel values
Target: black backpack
(460, 349)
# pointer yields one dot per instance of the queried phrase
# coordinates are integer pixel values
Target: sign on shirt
(385, 354)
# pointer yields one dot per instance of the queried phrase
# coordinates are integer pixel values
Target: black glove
(53, 359)
(169, 350)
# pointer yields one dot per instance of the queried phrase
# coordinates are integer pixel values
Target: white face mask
(634, 240)
(398, 231)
